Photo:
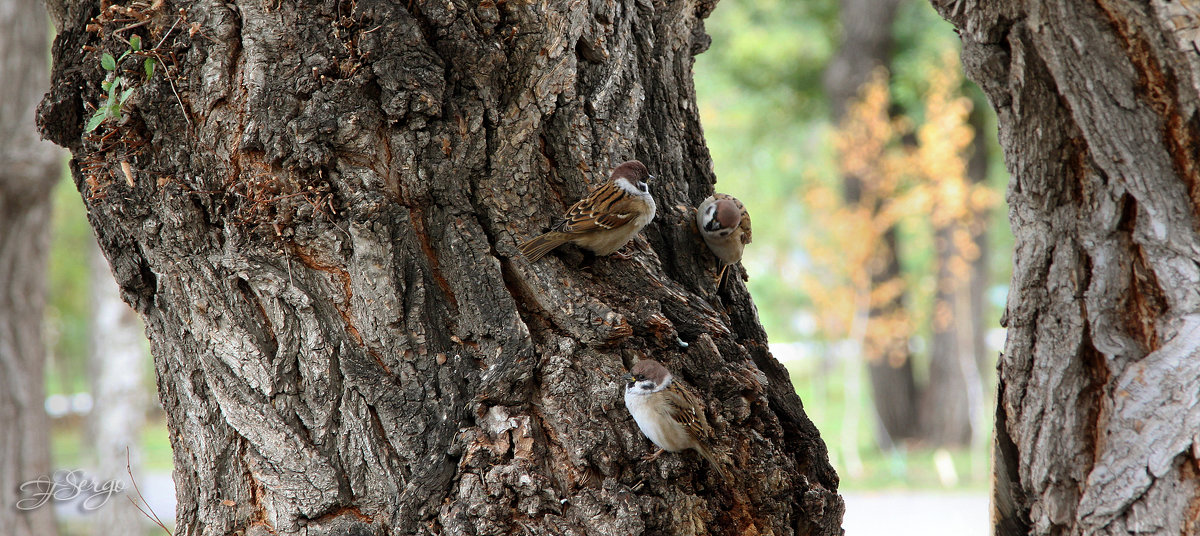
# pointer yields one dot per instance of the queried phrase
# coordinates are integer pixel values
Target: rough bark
(29, 168)
(319, 227)
(1098, 402)
(865, 46)
(117, 359)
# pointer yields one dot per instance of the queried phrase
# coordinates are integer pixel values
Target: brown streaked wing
(686, 409)
(745, 226)
(608, 207)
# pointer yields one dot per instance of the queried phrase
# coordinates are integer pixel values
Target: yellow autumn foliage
(899, 172)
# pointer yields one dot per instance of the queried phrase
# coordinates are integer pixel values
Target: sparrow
(606, 219)
(725, 226)
(667, 411)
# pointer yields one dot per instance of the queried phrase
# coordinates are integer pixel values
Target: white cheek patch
(639, 190)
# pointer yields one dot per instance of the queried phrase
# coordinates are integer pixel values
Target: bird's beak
(650, 178)
(627, 378)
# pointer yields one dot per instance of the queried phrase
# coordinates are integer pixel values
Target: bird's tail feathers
(540, 245)
(716, 463)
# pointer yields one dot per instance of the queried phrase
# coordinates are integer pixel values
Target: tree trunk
(1098, 410)
(29, 168)
(889, 362)
(867, 45)
(119, 413)
(952, 401)
(978, 165)
(947, 406)
(316, 212)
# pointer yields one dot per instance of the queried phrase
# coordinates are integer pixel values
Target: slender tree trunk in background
(951, 402)
(980, 281)
(978, 164)
(889, 363)
(866, 45)
(946, 407)
(317, 216)
(29, 168)
(1099, 393)
(119, 413)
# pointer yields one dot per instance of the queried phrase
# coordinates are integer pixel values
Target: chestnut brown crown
(649, 369)
(633, 171)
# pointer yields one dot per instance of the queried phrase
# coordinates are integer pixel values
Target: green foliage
(765, 117)
(68, 296)
(115, 96)
(921, 38)
(773, 52)
(766, 121)
(823, 386)
(763, 111)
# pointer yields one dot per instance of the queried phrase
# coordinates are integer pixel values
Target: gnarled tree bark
(1098, 402)
(316, 212)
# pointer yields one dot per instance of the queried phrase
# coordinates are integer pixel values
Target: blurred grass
(71, 447)
(822, 387)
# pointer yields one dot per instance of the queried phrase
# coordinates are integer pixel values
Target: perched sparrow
(725, 226)
(604, 220)
(667, 411)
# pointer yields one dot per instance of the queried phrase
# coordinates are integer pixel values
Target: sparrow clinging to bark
(606, 219)
(668, 411)
(725, 226)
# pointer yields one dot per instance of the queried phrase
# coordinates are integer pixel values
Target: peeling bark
(320, 230)
(1098, 406)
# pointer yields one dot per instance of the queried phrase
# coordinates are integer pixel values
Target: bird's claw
(623, 253)
(654, 456)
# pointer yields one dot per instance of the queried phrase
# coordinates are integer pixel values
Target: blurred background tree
(28, 169)
(875, 277)
(877, 210)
